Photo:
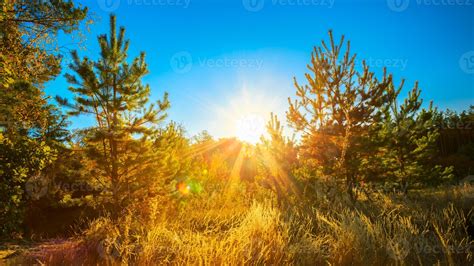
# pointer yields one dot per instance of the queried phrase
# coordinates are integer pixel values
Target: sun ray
(284, 182)
(234, 177)
(202, 148)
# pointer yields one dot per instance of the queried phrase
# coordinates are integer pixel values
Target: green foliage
(409, 142)
(334, 111)
(456, 141)
(353, 129)
(32, 132)
(31, 129)
(27, 31)
(21, 164)
(120, 145)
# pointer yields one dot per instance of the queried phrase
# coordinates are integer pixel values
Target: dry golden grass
(426, 228)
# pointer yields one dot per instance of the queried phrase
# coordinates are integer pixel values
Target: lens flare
(183, 188)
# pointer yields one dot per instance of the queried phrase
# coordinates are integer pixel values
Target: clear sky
(222, 60)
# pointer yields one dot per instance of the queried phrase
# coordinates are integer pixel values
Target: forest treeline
(358, 135)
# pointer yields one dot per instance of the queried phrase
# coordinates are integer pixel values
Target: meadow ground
(423, 228)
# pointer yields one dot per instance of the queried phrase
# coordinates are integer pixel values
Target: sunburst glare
(249, 128)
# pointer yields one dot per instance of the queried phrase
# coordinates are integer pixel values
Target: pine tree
(333, 111)
(456, 143)
(277, 157)
(408, 136)
(110, 89)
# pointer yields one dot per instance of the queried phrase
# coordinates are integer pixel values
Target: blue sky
(221, 60)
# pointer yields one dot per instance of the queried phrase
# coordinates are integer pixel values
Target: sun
(250, 127)
(243, 114)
